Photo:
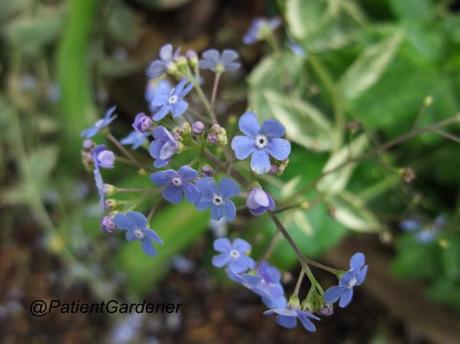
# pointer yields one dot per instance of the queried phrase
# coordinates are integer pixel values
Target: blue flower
(260, 28)
(350, 279)
(260, 142)
(135, 225)
(135, 139)
(287, 317)
(163, 146)
(177, 184)
(410, 225)
(100, 124)
(142, 123)
(233, 254)
(171, 101)
(154, 87)
(213, 60)
(167, 57)
(102, 157)
(259, 201)
(217, 197)
(266, 282)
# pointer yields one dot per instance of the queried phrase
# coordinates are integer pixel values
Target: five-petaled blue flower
(219, 63)
(259, 201)
(135, 139)
(135, 225)
(171, 101)
(217, 197)
(287, 317)
(261, 142)
(177, 184)
(350, 279)
(163, 146)
(260, 28)
(102, 157)
(159, 67)
(100, 124)
(233, 255)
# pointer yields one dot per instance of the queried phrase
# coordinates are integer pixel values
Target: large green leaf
(305, 124)
(321, 25)
(369, 67)
(337, 181)
(178, 226)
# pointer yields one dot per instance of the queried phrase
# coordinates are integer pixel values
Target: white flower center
(176, 181)
(261, 141)
(352, 282)
(217, 199)
(139, 233)
(173, 99)
(234, 254)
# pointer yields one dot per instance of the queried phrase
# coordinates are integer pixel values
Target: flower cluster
(191, 159)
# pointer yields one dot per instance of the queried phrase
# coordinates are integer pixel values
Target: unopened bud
(108, 224)
(198, 127)
(88, 144)
(110, 204)
(327, 310)
(207, 170)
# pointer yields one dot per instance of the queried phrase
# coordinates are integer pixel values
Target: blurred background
(388, 65)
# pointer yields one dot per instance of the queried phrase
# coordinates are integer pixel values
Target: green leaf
(32, 33)
(304, 123)
(352, 212)
(337, 181)
(321, 25)
(369, 67)
(178, 226)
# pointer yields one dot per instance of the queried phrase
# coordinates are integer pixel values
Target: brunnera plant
(218, 170)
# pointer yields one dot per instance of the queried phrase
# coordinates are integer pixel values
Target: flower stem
(123, 150)
(215, 86)
(299, 283)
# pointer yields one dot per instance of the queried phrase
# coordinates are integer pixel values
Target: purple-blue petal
(222, 245)
(248, 124)
(221, 260)
(243, 146)
(357, 261)
(272, 128)
(279, 148)
(260, 161)
(163, 177)
(172, 194)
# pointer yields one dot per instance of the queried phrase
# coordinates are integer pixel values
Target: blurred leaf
(278, 74)
(304, 123)
(163, 4)
(122, 24)
(10, 8)
(351, 211)
(32, 33)
(336, 181)
(415, 259)
(445, 291)
(369, 67)
(321, 24)
(413, 10)
(178, 226)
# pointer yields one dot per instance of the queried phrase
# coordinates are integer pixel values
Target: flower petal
(179, 108)
(166, 52)
(286, 321)
(220, 260)
(249, 124)
(346, 297)
(123, 222)
(279, 148)
(332, 294)
(230, 210)
(222, 245)
(191, 193)
(260, 162)
(172, 194)
(163, 177)
(217, 212)
(137, 218)
(156, 69)
(152, 235)
(306, 322)
(241, 245)
(164, 110)
(243, 146)
(273, 128)
(187, 173)
(357, 261)
(361, 275)
(148, 248)
(228, 187)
